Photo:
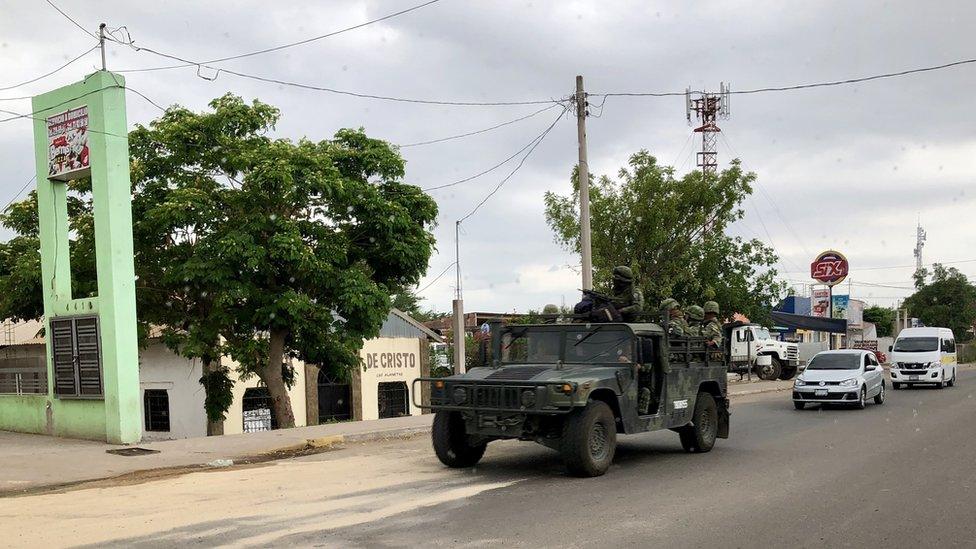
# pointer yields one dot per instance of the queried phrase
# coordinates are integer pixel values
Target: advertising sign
(829, 268)
(820, 302)
(67, 144)
(840, 303)
(855, 313)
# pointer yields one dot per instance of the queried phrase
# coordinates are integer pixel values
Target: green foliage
(671, 232)
(948, 300)
(883, 319)
(407, 301)
(218, 388)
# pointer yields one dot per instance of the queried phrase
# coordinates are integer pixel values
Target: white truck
(751, 347)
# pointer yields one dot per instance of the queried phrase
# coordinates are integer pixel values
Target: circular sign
(829, 268)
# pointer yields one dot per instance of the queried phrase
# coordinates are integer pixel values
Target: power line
(45, 75)
(912, 266)
(495, 127)
(69, 18)
(289, 45)
(16, 196)
(431, 283)
(496, 166)
(521, 162)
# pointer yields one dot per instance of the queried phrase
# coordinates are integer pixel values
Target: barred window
(156, 402)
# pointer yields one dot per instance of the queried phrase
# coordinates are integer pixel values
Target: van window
(948, 346)
(916, 344)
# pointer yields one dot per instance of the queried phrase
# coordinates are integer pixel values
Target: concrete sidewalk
(30, 463)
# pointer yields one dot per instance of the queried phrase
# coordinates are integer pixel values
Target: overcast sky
(848, 167)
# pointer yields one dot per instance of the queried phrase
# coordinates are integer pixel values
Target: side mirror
(890, 347)
(870, 368)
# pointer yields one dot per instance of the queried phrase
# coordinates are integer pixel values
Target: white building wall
(160, 368)
(388, 359)
(234, 422)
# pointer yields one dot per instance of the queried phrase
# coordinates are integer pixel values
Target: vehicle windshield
(595, 345)
(762, 333)
(916, 344)
(839, 361)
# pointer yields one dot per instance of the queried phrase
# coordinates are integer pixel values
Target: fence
(23, 371)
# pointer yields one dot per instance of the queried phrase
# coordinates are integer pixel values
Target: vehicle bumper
(912, 377)
(833, 394)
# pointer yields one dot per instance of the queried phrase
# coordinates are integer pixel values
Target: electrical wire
(289, 45)
(431, 283)
(495, 127)
(45, 75)
(16, 196)
(69, 18)
(498, 187)
(857, 269)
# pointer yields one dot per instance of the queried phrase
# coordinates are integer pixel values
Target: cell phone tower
(919, 243)
(707, 108)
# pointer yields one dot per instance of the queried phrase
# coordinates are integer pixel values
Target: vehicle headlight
(933, 365)
(799, 382)
(528, 398)
(460, 395)
(849, 382)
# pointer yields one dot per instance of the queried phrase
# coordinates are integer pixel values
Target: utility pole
(583, 175)
(457, 328)
(101, 43)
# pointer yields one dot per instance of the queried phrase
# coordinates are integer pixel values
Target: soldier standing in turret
(628, 300)
(676, 323)
(695, 315)
(712, 328)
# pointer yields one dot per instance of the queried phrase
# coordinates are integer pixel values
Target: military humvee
(575, 386)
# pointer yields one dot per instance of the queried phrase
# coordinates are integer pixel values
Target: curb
(760, 391)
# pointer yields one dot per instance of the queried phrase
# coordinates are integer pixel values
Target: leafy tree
(407, 301)
(948, 300)
(671, 231)
(883, 319)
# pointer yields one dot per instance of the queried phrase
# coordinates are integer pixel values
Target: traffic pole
(583, 175)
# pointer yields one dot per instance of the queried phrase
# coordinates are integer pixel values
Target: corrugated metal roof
(400, 324)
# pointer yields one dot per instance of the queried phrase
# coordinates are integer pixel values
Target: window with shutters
(77, 357)
(156, 404)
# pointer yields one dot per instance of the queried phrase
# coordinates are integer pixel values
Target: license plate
(912, 378)
(820, 392)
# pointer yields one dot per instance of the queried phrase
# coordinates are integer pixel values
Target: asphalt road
(896, 475)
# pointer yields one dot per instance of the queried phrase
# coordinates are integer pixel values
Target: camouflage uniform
(712, 328)
(628, 300)
(676, 325)
(695, 316)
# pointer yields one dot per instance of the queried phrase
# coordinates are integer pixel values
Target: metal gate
(258, 413)
(334, 399)
(394, 399)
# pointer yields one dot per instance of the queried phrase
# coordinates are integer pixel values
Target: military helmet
(695, 312)
(669, 304)
(623, 273)
(711, 307)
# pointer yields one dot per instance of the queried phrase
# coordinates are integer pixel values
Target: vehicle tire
(941, 384)
(862, 400)
(699, 437)
(896, 386)
(799, 405)
(771, 372)
(787, 372)
(952, 382)
(589, 440)
(451, 443)
(880, 397)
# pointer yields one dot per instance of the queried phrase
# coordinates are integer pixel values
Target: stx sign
(830, 268)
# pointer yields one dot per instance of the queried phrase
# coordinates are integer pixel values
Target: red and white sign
(820, 303)
(829, 268)
(67, 150)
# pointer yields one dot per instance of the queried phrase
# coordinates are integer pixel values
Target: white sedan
(847, 376)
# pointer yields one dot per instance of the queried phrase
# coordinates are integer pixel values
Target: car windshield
(762, 333)
(838, 361)
(916, 344)
(595, 345)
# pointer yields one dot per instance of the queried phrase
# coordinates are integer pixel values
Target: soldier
(695, 316)
(628, 300)
(676, 325)
(712, 328)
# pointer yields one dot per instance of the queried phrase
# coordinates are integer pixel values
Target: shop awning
(814, 323)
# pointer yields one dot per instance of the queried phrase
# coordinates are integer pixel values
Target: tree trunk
(271, 376)
(214, 428)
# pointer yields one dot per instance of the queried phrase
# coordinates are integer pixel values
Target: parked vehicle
(748, 344)
(846, 376)
(924, 356)
(574, 387)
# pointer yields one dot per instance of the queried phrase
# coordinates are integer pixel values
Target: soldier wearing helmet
(628, 300)
(711, 327)
(676, 324)
(695, 315)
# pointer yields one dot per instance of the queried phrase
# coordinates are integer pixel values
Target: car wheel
(589, 440)
(941, 384)
(771, 372)
(880, 397)
(700, 436)
(799, 405)
(862, 398)
(787, 372)
(452, 444)
(952, 382)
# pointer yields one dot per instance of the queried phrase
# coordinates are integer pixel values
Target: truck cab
(575, 386)
(752, 347)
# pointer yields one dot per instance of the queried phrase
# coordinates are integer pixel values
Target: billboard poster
(855, 313)
(840, 303)
(820, 302)
(67, 149)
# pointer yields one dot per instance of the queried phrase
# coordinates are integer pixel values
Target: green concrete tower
(80, 130)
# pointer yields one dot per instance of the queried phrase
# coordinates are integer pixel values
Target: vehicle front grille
(913, 366)
(817, 383)
(913, 372)
(828, 396)
(517, 373)
(495, 397)
(792, 352)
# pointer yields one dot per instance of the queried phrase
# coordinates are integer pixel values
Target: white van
(923, 355)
